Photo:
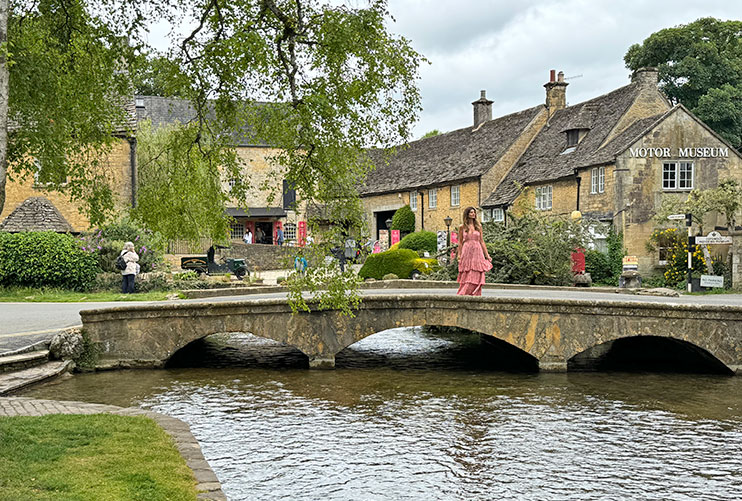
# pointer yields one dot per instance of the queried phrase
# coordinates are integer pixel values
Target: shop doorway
(263, 233)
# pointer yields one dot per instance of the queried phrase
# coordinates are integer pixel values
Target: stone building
(29, 206)
(612, 158)
(262, 213)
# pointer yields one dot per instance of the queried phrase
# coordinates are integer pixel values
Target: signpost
(714, 238)
(712, 281)
(676, 217)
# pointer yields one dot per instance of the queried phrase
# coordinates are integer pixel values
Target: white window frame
(413, 201)
(497, 214)
(289, 231)
(676, 177)
(544, 197)
(433, 198)
(236, 231)
(455, 196)
(597, 180)
(486, 215)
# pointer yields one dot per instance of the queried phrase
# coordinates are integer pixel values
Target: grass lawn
(48, 295)
(96, 457)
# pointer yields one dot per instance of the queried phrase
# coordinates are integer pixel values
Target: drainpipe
(422, 210)
(133, 168)
(579, 180)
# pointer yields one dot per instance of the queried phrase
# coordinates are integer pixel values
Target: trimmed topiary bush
(404, 220)
(420, 241)
(45, 259)
(401, 262)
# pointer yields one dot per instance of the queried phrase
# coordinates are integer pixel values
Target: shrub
(404, 220)
(426, 265)
(45, 259)
(106, 244)
(401, 262)
(597, 265)
(420, 241)
(676, 254)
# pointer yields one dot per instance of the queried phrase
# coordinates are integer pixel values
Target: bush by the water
(45, 259)
(420, 241)
(401, 262)
(404, 220)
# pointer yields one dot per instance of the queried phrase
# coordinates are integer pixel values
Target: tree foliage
(700, 66)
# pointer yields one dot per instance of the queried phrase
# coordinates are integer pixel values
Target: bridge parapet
(550, 330)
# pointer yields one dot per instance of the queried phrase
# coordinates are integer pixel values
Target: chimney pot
(552, 76)
(556, 92)
(560, 76)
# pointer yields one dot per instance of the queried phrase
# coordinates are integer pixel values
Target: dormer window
(573, 137)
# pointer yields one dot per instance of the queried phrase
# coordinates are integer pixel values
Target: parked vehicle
(207, 264)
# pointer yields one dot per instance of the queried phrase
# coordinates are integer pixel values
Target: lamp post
(448, 222)
(389, 230)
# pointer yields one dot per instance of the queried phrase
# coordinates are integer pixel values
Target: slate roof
(454, 156)
(169, 110)
(545, 160)
(35, 214)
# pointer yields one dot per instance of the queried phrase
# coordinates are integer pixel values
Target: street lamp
(448, 222)
(389, 228)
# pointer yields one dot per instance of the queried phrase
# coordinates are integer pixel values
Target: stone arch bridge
(550, 330)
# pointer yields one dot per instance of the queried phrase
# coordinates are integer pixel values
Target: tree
(404, 220)
(338, 81)
(699, 66)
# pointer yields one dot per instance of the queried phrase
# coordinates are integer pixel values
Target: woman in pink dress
(474, 260)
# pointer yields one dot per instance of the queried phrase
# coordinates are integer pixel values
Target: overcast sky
(507, 48)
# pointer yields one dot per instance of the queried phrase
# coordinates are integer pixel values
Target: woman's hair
(129, 246)
(465, 219)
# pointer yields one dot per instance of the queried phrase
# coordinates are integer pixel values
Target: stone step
(14, 381)
(19, 361)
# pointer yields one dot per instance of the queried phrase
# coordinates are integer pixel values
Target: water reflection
(406, 417)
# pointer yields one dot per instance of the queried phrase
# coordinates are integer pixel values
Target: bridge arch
(551, 330)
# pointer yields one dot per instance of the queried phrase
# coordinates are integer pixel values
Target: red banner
(454, 240)
(302, 233)
(395, 236)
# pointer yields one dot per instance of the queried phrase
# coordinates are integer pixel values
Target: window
(664, 246)
(413, 200)
(289, 196)
(597, 180)
(236, 231)
(433, 198)
(573, 137)
(677, 176)
(543, 198)
(289, 231)
(455, 199)
(232, 183)
(498, 215)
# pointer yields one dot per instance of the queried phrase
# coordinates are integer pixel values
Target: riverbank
(140, 460)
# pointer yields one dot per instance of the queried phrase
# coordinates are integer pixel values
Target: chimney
(556, 92)
(646, 77)
(482, 109)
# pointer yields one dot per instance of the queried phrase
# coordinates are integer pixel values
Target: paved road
(22, 324)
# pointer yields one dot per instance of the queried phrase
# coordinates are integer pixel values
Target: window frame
(573, 137)
(236, 230)
(597, 180)
(501, 215)
(433, 198)
(544, 197)
(675, 173)
(290, 231)
(457, 203)
(413, 201)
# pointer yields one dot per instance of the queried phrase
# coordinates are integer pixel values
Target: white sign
(674, 217)
(714, 238)
(712, 281)
(691, 152)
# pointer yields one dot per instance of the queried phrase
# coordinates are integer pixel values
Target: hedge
(400, 262)
(420, 241)
(45, 259)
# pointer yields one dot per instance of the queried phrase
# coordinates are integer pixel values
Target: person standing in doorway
(247, 237)
(259, 235)
(131, 259)
(474, 260)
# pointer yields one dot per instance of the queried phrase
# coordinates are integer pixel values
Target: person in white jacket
(131, 258)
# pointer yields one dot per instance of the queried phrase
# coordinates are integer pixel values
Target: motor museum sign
(689, 152)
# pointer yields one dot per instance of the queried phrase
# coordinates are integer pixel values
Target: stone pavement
(207, 486)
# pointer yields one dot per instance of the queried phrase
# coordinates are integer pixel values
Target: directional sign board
(674, 217)
(712, 281)
(714, 238)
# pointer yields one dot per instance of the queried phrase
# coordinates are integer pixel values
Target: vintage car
(207, 264)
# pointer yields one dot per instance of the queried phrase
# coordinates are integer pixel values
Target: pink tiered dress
(472, 266)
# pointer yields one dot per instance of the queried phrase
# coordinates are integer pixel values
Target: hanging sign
(675, 217)
(302, 233)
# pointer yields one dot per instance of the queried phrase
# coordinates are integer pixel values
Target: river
(410, 415)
